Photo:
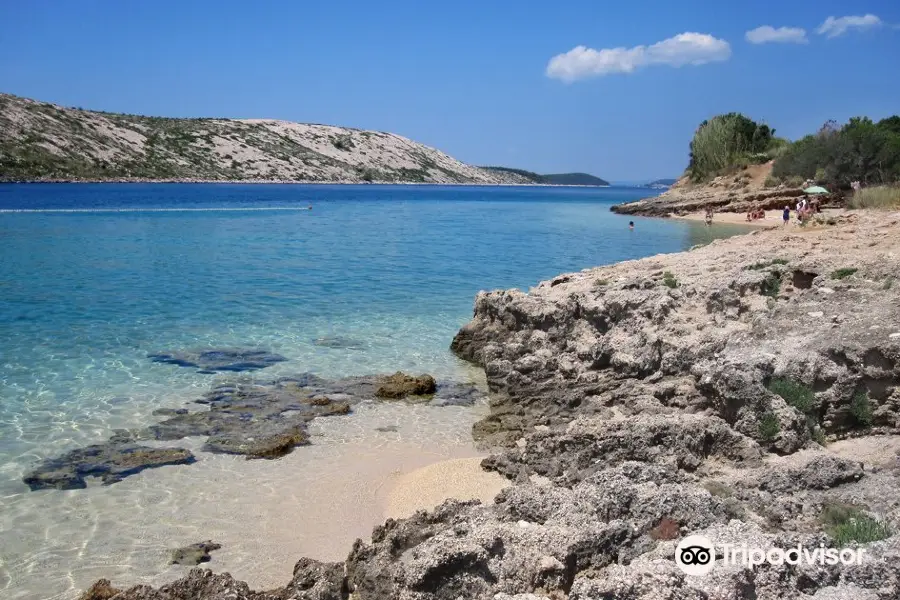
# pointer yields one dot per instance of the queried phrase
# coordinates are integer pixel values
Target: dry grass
(876, 197)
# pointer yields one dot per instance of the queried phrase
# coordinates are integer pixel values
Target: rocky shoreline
(747, 391)
(739, 192)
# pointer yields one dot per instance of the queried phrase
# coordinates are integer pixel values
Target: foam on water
(373, 280)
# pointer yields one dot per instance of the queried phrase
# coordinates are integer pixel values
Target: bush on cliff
(725, 141)
(847, 523)
(794, 393)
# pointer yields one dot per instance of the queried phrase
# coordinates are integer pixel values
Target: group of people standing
(805, 209)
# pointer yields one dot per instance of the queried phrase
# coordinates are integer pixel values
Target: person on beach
(786, 216)
(709, 215)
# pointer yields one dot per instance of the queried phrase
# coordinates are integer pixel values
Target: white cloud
(684, 49)
(784, 35)
(833, 27)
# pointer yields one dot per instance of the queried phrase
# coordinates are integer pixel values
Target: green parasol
(815, 190)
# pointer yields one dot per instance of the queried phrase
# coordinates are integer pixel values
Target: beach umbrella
(815, 190)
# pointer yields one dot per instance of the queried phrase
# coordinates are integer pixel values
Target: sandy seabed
(314, 502)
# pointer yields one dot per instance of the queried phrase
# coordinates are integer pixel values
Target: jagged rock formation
(740, 192)
(747, 391)
(43, 141)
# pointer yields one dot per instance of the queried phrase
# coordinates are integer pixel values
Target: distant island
(40, 141)
(660, 183)
(553, 178)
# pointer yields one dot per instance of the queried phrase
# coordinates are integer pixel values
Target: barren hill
(42, 141)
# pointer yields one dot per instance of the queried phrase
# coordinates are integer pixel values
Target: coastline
(295, 182)
(645, 380)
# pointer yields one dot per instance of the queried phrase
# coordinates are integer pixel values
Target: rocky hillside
(42, 141)
(747, 391)
(739, 192)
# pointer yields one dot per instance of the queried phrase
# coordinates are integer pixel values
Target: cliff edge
(739, 192)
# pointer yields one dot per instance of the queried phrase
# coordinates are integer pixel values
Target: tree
(860, 150)
(720, 142)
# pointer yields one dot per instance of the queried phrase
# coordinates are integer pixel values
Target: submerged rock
(110, 462)
(101, 590)
(339, 342)
(400, 385)
(256, 419)
(194, 554)
(219, 359)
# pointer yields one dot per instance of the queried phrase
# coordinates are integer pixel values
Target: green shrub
(843, 273)
(887, 283)
(772, 182)
(862, 530)
(861, 409)
(724, 142)
(669, 280)
(818, 436)
(847, 523)
(759, 266)
(343, 142)
(794, 181)
(601, 282)
(794, 393)
(769, 427)
(771, 285)
(875, 197)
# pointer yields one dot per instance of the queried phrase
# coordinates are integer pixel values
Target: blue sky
(470, 78)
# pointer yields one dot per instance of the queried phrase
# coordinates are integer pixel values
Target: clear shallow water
(94, 277)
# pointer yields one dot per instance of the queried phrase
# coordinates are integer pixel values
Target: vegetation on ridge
(860, 150)
(728, 141)
(837, 155)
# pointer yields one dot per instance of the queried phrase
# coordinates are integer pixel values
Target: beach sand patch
(425, 488)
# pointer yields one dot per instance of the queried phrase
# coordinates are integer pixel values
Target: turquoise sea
(372, 279)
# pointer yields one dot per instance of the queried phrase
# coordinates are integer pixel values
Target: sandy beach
(424, 488)
(772, 218)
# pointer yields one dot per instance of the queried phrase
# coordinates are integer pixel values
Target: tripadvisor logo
(696, 555)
